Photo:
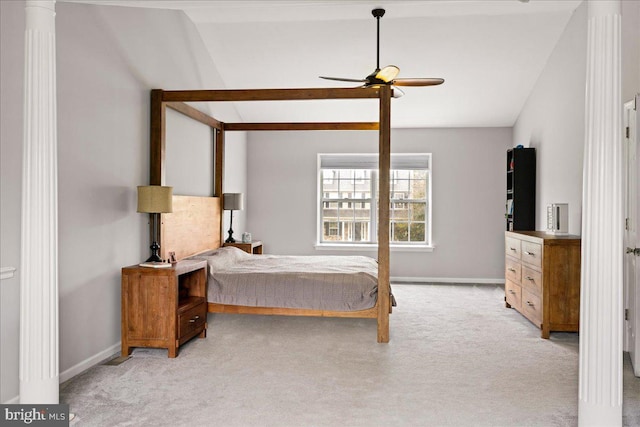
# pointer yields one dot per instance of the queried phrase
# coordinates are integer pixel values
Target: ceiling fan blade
(418, 82)
(340, 79)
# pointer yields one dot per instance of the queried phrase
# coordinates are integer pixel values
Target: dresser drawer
(532, 307)
(531, 280)
(191, 320)
(532, 253)
(513, 294)
(512, 270)
(512, 247)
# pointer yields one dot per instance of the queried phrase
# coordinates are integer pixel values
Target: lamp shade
(155, 199)
(232, 201)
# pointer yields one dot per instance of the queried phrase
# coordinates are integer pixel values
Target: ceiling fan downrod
(378, 13)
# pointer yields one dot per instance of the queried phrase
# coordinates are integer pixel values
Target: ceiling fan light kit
(388, 74)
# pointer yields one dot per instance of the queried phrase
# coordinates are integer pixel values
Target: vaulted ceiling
(490, 53)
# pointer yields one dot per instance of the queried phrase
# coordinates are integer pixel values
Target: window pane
(331, 231)
(399, 232)
(418, 211)
(401, 174)
(361, 231)
(416, 232)
(400, 187)
(362, 189)
(345, 174)
(399, 211)
(328, 181)
(418, 186)
(362, 211)
(347, 217)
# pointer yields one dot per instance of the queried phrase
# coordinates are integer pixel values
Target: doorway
(631, 233)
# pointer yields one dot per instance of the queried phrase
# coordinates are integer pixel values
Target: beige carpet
(457, 357)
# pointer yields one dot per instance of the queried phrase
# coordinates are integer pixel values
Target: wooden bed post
(383, 214)
(157, 136)
(219, 172)
(219, 165)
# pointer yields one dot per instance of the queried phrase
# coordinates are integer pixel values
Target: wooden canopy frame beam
(176, 100)
(302, 126)
(235, 95)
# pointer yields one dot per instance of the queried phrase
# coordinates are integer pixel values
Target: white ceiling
(490, 53)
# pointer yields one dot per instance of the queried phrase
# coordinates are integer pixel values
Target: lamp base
(155, 256)
(230, 239)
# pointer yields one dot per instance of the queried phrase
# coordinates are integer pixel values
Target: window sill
(372, 247)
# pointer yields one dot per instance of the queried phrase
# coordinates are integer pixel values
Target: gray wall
(469, 187)
(108, 59)
(11, 87)
(630, 49)
(552, 121)
(553, 118)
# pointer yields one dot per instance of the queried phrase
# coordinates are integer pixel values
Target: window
(348, 189)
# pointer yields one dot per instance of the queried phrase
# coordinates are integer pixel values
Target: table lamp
(154, 200)
(232, 202)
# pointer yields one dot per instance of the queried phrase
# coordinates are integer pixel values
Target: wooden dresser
(542, 279)
(163, 307)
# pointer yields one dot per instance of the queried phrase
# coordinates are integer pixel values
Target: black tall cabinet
(521, 189)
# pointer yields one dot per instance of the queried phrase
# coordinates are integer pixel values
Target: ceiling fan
(387, 75)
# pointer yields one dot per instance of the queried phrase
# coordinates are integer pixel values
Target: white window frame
(364, 161)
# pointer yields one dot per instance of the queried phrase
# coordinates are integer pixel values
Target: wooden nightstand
(163, 307)
(254, 247)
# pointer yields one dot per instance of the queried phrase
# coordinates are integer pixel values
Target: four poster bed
(195, 226)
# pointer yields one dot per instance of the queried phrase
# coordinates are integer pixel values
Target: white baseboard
(88, 363)
(13, 401)
(78, 368)
(445, 280)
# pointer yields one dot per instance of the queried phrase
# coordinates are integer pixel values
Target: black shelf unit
(521, 189)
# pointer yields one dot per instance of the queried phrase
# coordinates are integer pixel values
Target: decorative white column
(601, 325)
(39, 375)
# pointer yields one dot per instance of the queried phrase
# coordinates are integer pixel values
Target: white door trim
(632, 236)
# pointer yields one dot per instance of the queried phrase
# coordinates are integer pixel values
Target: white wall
(552, 119)
(469, 187)
(630, 49)
(188, 147)
(108, 59)
(235, 180)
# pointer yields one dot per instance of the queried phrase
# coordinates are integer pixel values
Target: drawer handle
(194, 319)
(513, 249)
(513, 270)
(530, 278)
(530, 304)
(511, 292)
(530, 253)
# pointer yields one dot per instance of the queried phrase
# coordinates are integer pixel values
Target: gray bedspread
(336, 283)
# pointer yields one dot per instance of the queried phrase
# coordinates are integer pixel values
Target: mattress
(334, 283)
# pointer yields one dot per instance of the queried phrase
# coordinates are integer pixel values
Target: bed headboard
(193, 227)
